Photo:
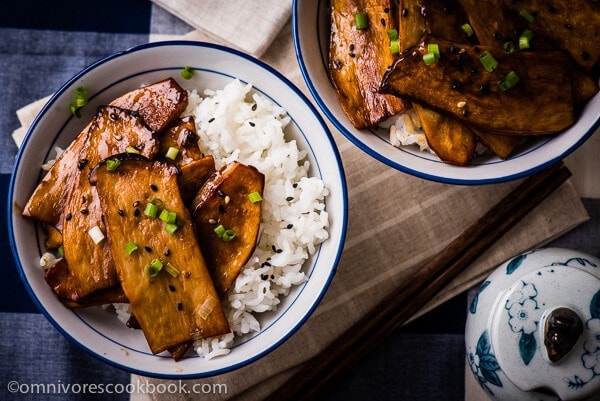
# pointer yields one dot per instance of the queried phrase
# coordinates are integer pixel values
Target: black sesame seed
(264, 276)
(153, 187)
(352, 55)
(290, 226)
(148, 249)
(171, 288)
(221, 193)
(272, 277)
(405, 12)
(337, 64)
(351, 47)
(295, 185)
(221, 209)
(113, 116)
(465, 113)
(68, 216)
(136, 212)
(179, 306)
(251, 124)
(121, 212)
(136, 203)
(273, 248)
(167, 252)
(279, 251)
(289, 198)
(81, 164)
(585, 55)
(383, 21)
(84, 211)
(254, 107)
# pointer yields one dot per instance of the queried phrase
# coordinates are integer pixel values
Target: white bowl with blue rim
(311, 29)
(97, 330)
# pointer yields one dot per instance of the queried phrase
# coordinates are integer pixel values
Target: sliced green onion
(61, 251)
(219, 230)
(488, 61)
(429, 59)
(467, 29)
(168, 216)
(432, 55)
(157, 202)
(255, 197)
(525, 38)
(172, 270)
(151, 210)
(508, 47)
(172, 153)
(153, 268)
(361, 20)
(112, 164)
(525, 14)
(187, 72)
(224, 234)
(131, 149)
(81, 99)
(130, 247)
(171, 228)
(392, 34)
(228, 235)
(509, 81)
(434, 48)
(395, 46)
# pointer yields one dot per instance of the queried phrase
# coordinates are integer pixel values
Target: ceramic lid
(536, 307)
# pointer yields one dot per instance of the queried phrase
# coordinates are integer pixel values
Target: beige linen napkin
(249, 25)
(396, 222)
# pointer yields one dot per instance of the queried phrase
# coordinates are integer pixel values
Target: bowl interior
(97, 330)
(311, 39)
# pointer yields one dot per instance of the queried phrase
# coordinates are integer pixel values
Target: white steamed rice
(235, 124)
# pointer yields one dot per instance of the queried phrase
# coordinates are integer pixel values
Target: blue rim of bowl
(269, 70)
(392, 163)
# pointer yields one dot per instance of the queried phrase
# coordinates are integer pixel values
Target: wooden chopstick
(350, 347)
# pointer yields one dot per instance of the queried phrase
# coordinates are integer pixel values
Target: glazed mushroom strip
(156, 253)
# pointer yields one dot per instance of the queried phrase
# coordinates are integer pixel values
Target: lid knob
(562, 329)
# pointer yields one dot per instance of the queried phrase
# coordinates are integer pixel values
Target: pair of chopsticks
(410, 296)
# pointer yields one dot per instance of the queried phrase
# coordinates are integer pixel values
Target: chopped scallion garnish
(153, 268)
(525, 14)
(187, 72)
(509, 81)
(467, 29)
(168, 216)
(228, 235)
(81, 99)
(509, 47)
(172, 270)
(255, 197)
(395, 47)
(361, 20)
(61, 251)
(224, 234)
(130, 247)
(525, 38)
(131, 149)
(151, 210)
(171, 227)
(393, 34)
(488, 61)
(112, 164)
(432, 55)
(172, 153)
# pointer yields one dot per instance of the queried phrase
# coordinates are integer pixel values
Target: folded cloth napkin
(396, 222)
(249, 25)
